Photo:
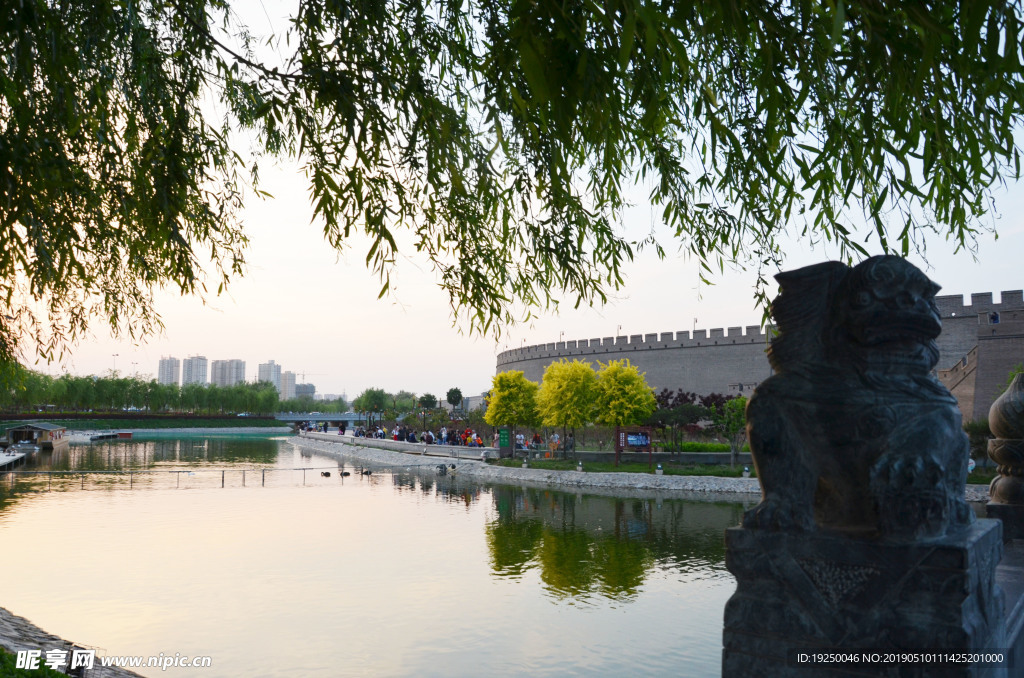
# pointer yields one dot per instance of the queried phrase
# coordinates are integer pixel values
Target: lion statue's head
(881, 314)
(884, 315)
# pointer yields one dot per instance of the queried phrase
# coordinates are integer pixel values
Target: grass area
(982, 475)
(8, 661)
(632, 467)
(114, 424)
(696, 446)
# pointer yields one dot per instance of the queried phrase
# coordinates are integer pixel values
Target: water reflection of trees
(118, 455)
(584, 545)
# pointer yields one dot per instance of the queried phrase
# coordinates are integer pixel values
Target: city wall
(733, 360)
(720, 361)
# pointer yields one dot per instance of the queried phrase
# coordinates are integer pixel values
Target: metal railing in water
(13, 476)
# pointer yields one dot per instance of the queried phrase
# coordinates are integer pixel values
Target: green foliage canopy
(112, 180)
(372, 400)
(730, 419)
(454, 397)
(502, 136)
(513, 400)
(567, 394)
(623, 396)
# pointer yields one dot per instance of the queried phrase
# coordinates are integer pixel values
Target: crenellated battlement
(752, 334)
(733, 359)
(950, 306)
(953, 306)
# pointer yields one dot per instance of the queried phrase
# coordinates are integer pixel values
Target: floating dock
(9, 458)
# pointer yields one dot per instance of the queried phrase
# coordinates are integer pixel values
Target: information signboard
(633, 439)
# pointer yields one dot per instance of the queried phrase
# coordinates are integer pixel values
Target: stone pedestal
(828, 592)
(1012, 517)
(1006, 493)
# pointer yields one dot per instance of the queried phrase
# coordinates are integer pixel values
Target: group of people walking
(453, 436)
(445, 436)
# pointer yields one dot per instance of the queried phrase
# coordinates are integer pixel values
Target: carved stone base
(826, 592)
(1012, 516)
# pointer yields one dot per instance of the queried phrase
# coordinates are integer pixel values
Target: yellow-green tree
(567, 395)
(513, 400)
(623, 396)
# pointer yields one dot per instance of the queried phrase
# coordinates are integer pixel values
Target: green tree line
(31, 391)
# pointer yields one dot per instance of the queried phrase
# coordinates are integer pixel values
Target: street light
(114, 355)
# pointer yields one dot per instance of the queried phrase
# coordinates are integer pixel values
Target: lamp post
(114, 355)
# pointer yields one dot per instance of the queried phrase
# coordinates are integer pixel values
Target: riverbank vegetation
(8, 662)
(668, 468)
(113, 422)
(31, 391)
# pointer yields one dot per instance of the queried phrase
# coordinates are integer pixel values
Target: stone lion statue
(853, 432)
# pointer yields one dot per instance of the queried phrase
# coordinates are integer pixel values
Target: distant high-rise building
(227, 372)
(305, 390)
(193, 370)
(287, 385)
(270, 371)
(170, 371)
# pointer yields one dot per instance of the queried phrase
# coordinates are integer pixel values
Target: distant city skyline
(317, 311)
(232, 371)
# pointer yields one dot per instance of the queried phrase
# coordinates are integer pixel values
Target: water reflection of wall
(584, 545)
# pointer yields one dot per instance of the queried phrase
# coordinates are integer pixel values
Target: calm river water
(391, 574)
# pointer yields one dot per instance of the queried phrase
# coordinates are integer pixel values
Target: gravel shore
(18, 633)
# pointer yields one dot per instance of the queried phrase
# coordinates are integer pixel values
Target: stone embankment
(18, 633)
(470, 464)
